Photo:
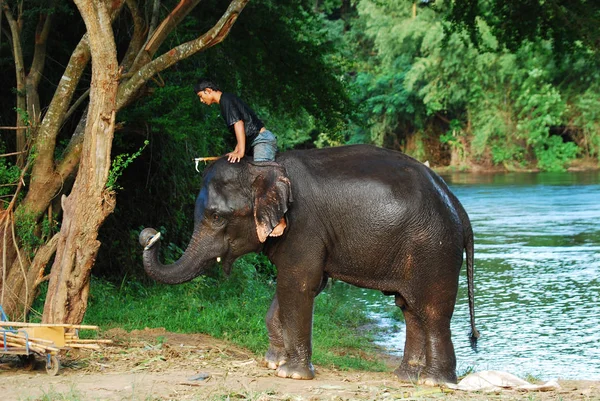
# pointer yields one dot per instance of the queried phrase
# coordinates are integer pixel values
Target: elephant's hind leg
(439, 351)
(276, 354)
(413, 360)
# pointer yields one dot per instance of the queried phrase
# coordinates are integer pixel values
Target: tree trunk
(85, 209)
(88, 203)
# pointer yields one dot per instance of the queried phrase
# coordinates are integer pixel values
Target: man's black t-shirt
(233, 109)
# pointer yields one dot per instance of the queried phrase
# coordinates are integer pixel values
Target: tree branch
(212, 37)
(166, 27)
(154, 17)
(41, 259)
(50, 127)
(54, 117)
(76, 104)
(72, 153)
(137, 39)
(37, 66)
(17, 51)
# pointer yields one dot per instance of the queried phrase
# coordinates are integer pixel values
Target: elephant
(369, 216)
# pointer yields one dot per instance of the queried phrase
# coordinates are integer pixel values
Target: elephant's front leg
(296, 299)
(276, 354)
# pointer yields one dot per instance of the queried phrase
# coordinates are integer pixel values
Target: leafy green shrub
(119, 163)
(554, 154)
(9, 173)
(30, 233)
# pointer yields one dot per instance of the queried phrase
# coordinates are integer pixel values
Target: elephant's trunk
(189, 266)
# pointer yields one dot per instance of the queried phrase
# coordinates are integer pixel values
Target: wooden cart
(47, 340)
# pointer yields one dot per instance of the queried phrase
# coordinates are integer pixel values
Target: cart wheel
(52, 365)
(28, 361)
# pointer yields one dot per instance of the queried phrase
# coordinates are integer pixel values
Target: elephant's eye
(215, 218)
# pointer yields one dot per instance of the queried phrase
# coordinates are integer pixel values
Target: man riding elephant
(251, 135)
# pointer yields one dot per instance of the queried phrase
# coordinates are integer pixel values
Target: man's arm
(240, 148)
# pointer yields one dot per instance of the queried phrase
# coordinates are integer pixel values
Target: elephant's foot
(296, 371)
(275, 357)
(437, 379)
(410, 369)
(407, 374)
(418, 374)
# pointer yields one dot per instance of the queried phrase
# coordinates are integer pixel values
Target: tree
(90, 201)
(86, 158)
(569, 24)
(436, 95)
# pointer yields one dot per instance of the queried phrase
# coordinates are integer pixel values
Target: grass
(234, 309)
(52, 395)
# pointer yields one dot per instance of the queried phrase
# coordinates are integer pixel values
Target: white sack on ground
(492, 380)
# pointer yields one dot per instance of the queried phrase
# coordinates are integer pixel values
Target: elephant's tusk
(152, 240)
(218, 259)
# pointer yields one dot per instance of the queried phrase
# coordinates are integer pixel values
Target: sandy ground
(157, 365)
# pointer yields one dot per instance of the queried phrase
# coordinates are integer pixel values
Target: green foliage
(506, 105)
(555, 154)
(23, 115)
(119, 163)
(9, 174)
(451, 139)
(583, 111)
(515, 22)
(25, 229)
(32, 234)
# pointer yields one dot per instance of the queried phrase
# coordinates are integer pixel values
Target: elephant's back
(356, 167)
(370, 183)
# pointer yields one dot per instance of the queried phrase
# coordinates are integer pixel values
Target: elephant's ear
(272, 195)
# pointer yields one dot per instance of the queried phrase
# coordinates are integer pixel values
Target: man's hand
(235, 156)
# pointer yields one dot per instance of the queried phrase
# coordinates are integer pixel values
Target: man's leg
(265, 147)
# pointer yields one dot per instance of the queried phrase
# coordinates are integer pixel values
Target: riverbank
(157, 365)
(577, 165)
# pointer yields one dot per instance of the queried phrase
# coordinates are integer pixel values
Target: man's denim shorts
(264, 147)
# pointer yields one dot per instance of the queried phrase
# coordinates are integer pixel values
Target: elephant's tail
(470, 250)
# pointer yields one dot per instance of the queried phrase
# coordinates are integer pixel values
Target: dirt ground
(157, 365)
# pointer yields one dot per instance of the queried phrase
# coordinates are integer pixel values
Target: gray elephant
(372, 217)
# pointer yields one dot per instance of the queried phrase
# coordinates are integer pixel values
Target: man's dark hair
(205, 83)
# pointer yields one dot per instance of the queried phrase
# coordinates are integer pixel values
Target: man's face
(206, 96)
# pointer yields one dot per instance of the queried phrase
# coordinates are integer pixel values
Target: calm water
(537, 276)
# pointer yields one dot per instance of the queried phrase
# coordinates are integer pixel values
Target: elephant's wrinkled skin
(371, 217)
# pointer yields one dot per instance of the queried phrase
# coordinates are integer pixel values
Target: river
(537, 277)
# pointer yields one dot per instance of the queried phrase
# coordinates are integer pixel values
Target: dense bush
(519, 109)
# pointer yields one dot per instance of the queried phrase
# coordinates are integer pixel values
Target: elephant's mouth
(228, 257)
(226, 262)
